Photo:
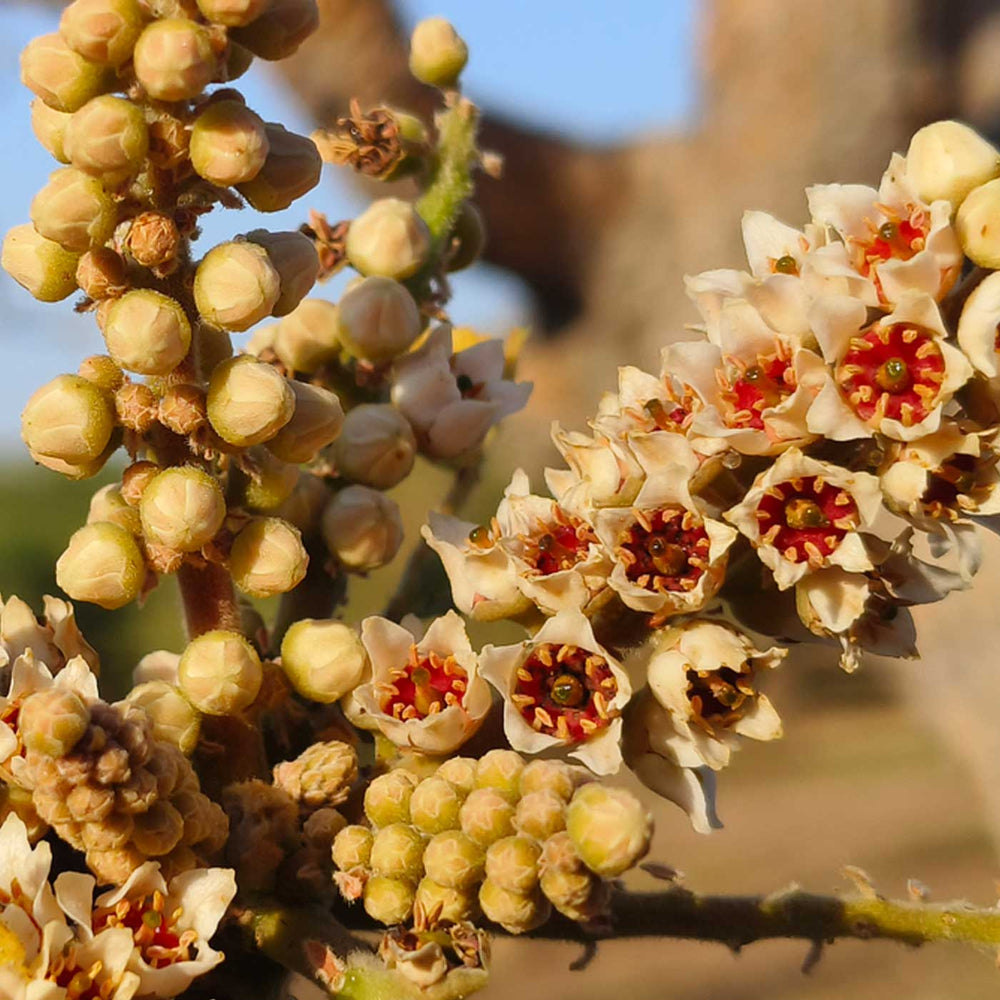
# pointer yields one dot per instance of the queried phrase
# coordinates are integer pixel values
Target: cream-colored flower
(603, 472)
(979, 325)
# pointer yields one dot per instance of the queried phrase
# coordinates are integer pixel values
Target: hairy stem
(209, 599)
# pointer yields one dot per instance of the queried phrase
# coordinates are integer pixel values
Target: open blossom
(603, 471)
(561, 689)
(426, 694)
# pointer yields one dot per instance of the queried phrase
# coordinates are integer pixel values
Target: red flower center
(154, 931)
(959, 478)
(750, 389)
(665, 550)
(558, 545)
(425, 685)
(718, 697)
(894, 239)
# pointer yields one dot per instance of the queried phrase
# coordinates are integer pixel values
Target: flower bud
(947, 159)
(169, 137)
(540, 815)
(182, 409)
(437, 53)
(41, 266)
(135, 479)
(352, 847)
(108, 138)
(248, 401)
(362, 528)
(153, 239)
(387, 798)
(389, 239)
(103, 31)
(107, 504)
(102, 371)
(175, 720)
(516, 912)
(101, 274)
(307, 337)
(63, 79)
(548, 776)
(501, 770)
(977, 224)
(136, 407)
(147, 332)
(228, 143)
(486, 816)
(212, 347)
(232, 13)
(434, 806)
(220, 673)
(388, 900)
(69, 419)
(102, 565)
(468, 238)
(304, 508)
(294, 256)
(158, 830)
(174, 59)
(397, 852)
(268, 558)
(321, 776)
(323, 659)
(376, 446)
(579, 895)
(610, 828)
(49, 127)
(459, 771)
(378, 319)
(271, 484)
(238, 60)
(277, 31)
(453, 860)
(52, 721)
(315, 423)
(291, 169)
(512, 863)
(182, 508)
(236, 285)
(74, 210)
(449, 904)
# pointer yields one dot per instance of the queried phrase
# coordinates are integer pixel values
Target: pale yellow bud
(389, 239)
(174, 59)
(101, 274)
(174, 718)
(486, 816)
(41, 266)
(315, 423)
(108, 138)
(512, 863)
(610, 828)
(62, 78)
(74, 210)
(453, 860)
(352, 847)
(51, 722)
(294, 256)
(378, 319)
(220, 673)
(460, 772)
(69, 419)
(104, 31)
(978, 225)
(147, 332)
(435, 805)
(362, 528)
(228, 143)
(232, 13)
(102, 371)
(278, 30)
(108, 504)
(388, 900)
(248, 401)
(182, 409)
(292, 168)
(540, 815)
(397, 852)
(501, 770)
(323, 659)
(449, 904)
(306, 338)
(272, 483)
(387, 797)
(268, 557)
(236, 285)
(947, 159)
(49, 127)
(548, 776)
(182, 508)
(376, 446)
(158, 830)
(437, 53)
(102, 565)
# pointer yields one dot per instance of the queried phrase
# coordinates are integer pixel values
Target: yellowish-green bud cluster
(51, 722)
(102, 564)
(437, 53)
(248, 401)
(182, 508)
(268, 557)
(147, 332)
(388, 239)
(376, 446)
(38, 264)
(362, 528)
(220, 673)
(323, 659)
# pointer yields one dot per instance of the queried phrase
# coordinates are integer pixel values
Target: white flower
(561, 689)
(429, 694)
(802, 515)
(979, 325)
(602, 472)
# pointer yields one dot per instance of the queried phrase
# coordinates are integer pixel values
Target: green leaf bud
(315, 423)
(387, 798)
(486, 816)
(378, 319)
(232, 13)
(468, 238)
(220, 673)
(292, 168)
(228, 143)
(977, 224)
(268, 558)
(397, 852)
(74, 210)
(101, 274)
(454, 860)
(175, 720)
(437, 53)
(352, 847)
(610, 828)
(449, 904)
(103, 31)
(69, 419)
(248, 401)
(182, 508)
(174, 59)
(49, 127)
(147, 332)
(272, 483)
(540, 815)
(512, 863)
(236, 285)
(277, 31)
(323, 659)
(548, 776)
(108, 138)
(435, 805)
(501, 770)
(362, 528)
(389, 240)
(388, 900)
(294, 256)
(947, 159)
(515, 912)
(102, 371)
(376, 446)
(460, 771)
(62, 78)
(307, 337)
(51, 722)
(102, 565)
(108, 504)
(41, 266)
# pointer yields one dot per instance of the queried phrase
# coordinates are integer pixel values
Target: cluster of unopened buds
(809, 468)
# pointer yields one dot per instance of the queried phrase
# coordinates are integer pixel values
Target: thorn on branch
(587, 956)
(813, 957)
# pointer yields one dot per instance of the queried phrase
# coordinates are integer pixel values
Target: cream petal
(160, 665)
(977, 326)
(388, 645)
(521, 736)
(760, 721)
(204, 895)
(766, 240)
(692, 789)
(602, 754)
(75, 895)
(844, 207)
(835, 319)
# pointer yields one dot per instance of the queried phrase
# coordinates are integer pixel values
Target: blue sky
(572, 66)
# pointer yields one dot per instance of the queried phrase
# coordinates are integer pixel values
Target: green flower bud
(75, 471)
(559, 854)
(397, 852)
(272, 484)
(108, 504)
(52, 721)
(323, 659)
(515, 912)
(307, 337)
(232, 13)
(435, 805)
(101, 274)
(108, 138)
(378, 319)
(175, 720)
(248, 401)
(512, 864)
(102, 371)
(947, 160)
(376, 446)
(454, 860)
(236, 285)
(103, 31)
(74, 210)
(387, 798)
(389, 239)
(977, 224)
(69, 419)
(182, 508)
(220, 673)
(352, 847)
(501, 770)
(268, 558)
(102, 565)
(468, 238)
(294, 256)
(459, 771)
(49, 127)
(315, 423)
(147, 332)
(228, 143)
(486, 816)
(41, 266)
(277, 31)
(158, 830)
(63, 79)
(448, 904)
(174, 59)
(548, 776)
(540, 815)
(610, 828)
(388, 900)
(291, 169)
(437, 54)
(362, 528)
(578, 895)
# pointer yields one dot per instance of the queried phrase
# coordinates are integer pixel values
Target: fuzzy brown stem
(209, 599)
